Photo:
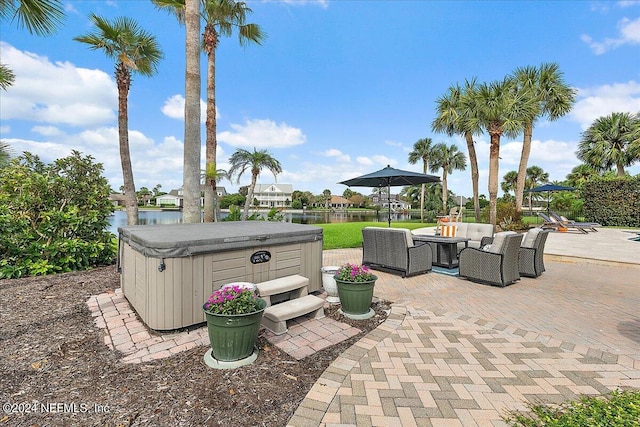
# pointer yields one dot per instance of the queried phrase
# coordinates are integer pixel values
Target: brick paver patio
(452, 352)
(457, 353)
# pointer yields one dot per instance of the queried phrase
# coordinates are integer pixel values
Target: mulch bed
(57, 371)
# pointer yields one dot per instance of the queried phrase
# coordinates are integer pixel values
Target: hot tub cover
(183, 240)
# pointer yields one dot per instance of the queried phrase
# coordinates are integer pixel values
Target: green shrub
(53, 217)
(617, 409)
(507, 217)
(613, 201)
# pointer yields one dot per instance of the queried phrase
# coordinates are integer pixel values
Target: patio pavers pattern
(457, 353)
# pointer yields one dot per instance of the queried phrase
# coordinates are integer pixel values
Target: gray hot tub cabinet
(168, 271)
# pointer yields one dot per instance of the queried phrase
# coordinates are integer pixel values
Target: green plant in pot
(355, 290)
(233, 317)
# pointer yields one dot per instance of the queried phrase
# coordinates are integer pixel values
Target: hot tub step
(295, 285)
(275, 317)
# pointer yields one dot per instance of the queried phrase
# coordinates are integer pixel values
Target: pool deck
(458, 353)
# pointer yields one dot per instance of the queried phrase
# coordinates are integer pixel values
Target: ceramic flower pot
(233, 337)
(356, 298)
(329, 283)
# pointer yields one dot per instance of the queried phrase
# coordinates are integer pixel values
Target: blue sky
(338, 89)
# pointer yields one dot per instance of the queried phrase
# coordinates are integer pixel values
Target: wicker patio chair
(495, 265)
(393, 250)
(531, 256)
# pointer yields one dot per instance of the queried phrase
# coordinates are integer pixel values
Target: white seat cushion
(530, 238)
(498, 241)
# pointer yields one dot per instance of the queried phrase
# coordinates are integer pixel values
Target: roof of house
(339, 200)
(274, 188)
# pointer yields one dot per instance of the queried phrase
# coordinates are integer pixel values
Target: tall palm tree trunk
(475, 175)
(494, 155)
(123, 80)
(191, 179)
(522, 168)
(247, 203)
(211, 211)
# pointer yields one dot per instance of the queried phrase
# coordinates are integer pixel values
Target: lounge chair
(588, 225)
(552, 223)
(496, 264)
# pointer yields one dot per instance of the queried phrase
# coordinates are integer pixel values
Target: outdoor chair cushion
(498, 241)
(530, 237)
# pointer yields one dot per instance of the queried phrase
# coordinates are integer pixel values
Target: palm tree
(456, 111)
(509, 181)
(211, 178)
(6, 77)
(220, 17)
(134, 50)
(39, 17)
(500, 110)
(553, 100)
(421, 151)
(535, 175)
(5, 154)
(326, 197)
(580, 174)
(447, 158)
(612, 140)
(241, 160)
(191, 161)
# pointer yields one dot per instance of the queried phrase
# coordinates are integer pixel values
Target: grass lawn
(349, 234)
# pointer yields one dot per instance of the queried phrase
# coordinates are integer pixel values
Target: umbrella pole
(389, 200)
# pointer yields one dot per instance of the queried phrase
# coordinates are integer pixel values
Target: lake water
(119, 218)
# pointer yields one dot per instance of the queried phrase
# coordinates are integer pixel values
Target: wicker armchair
(531, 257)
(497, 265)
(393, 250)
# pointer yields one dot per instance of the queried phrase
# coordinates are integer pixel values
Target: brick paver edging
(315, 404)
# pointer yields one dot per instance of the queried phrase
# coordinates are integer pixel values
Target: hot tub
(168, 271)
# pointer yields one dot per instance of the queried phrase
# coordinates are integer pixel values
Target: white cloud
(5, 129)
(68, 7)
(262, 134)
(47, 130)
(384, 160)
(603, 100)
(628, 3)
(629, 33)
(174, 107)
(322, 3)
(56, 92)
(338, 155)
(365, 161)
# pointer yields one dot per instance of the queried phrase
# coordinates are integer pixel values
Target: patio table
(446, 248)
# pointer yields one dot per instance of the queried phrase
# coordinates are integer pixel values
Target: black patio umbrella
(390, 177)
(549, 188)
